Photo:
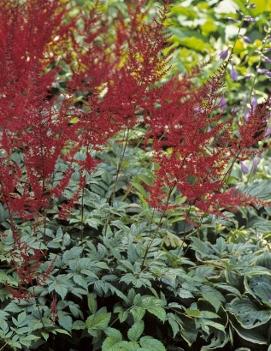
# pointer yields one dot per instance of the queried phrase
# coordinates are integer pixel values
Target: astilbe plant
(119, 82)
(30, 123)
(35, 125)
(195, 148)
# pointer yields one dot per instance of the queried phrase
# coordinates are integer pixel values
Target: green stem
(158, 227)
(82, 209)
(2, 347)
(237, 37)
(120, 162)
(82, 200)
(40, 313)
(228, 172)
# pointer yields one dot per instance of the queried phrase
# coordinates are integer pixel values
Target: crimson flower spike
(32, 126)
(30, 123)
(184, 127)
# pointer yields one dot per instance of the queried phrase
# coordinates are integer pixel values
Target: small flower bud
(247, 39)
(223, 103)
(255, 164)
(248, 76)
(233, 74)
(254, 102)
(244, 168)
(224, 54)
(267, 59)
(267, 132)
(264, 71)
(249, 19)
(246, 116)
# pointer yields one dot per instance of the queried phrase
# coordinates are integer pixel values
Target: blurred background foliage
(199, 30)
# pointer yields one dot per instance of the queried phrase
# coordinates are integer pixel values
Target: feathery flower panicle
(30, 123)
(32, 126)
(185, 129)
(188, 128)
(117, 80)
(254, 129)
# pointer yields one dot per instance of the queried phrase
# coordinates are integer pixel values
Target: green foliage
(204, 290)
(125, 279)
(200, 30)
